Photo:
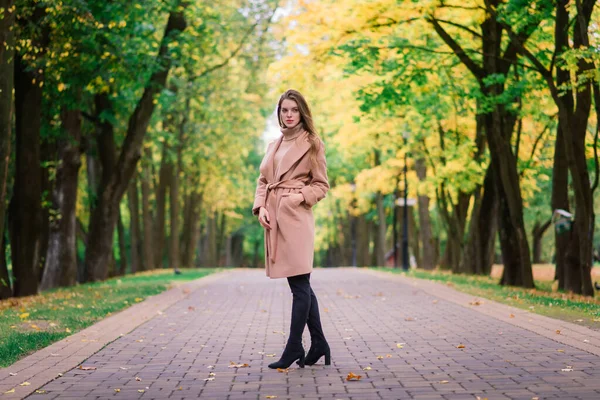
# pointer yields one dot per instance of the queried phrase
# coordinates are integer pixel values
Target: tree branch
(471, 31)
(458, 50)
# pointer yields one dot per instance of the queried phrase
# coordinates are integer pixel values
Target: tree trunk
(148, 231)
(134, 226)
(499, 125)
(191, 229)
(479, 250)
(165, 173)
(362, 241)
(210, 244)
(104, 217)
(381, 231)
(61, 258)
(537, 233)
(174, 259)
(26, 208)
(425, 232)
(122, 247)
(5, 286)
(237, 249)
(7, 69)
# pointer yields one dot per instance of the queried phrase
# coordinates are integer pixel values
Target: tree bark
(191, 229)
(165, 173)
(381, 229)
(362, 241)
(5, 286)
(134, 226)
(174, 252)
(483, 226)
(148, 232)
(7, 68)
(537, 233)
(103, 220)
(425, 232)
(122, 247)
(26, 221)
(61, 257)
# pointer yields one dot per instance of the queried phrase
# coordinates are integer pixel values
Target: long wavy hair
(305, 118)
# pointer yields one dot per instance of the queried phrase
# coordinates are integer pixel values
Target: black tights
(305, 310)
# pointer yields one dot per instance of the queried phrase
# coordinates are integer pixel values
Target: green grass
(542, 300)
(30, 323)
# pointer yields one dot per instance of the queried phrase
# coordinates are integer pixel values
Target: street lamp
(405, 209)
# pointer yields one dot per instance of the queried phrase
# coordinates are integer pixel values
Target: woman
(293, 178)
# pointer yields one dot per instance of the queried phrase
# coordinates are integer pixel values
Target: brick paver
(409, 337)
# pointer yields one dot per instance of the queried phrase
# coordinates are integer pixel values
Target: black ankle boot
(316, 351)
(290, 354)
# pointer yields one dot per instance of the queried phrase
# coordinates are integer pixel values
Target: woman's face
(290, 114)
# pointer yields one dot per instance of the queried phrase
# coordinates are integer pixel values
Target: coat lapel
(268, 167)
(293, 154)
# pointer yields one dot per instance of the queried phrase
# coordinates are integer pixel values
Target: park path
(410, 337)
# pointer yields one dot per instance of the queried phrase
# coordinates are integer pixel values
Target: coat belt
(272, 234)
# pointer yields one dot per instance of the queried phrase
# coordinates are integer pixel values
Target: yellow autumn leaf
(25, 384)
(353, 377)
(24, 315)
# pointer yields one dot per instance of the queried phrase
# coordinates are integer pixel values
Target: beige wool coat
(289, 244)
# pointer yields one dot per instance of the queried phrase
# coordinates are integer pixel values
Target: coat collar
(291, 156)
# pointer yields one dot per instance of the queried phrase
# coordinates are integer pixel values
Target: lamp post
(405, 209)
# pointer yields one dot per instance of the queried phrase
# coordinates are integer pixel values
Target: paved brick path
(240, 318)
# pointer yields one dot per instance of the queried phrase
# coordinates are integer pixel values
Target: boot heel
(301, 361)
(328, 358)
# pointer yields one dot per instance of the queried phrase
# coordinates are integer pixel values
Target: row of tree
(124, 135)
(499, 100)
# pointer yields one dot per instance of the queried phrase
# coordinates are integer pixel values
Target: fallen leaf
(353, 377)
(67, 330)
(435, 301)
(210, 366)
(379, 357)
(281, 332)
(234, 365)
(186, 290)
(87, 368)
(141, 390)
(271, 355)
(117, 390)
(512, 315)
(270, 397)
(286, 370)
(326, 309)
(476, 302)
(348, 338)
(180, 388)
(212, 374)
(192, 308)
(578, 320)
(39, 391)
(13, 374)
(567, 369)
(10, 391)
(444, 381)
(388, 356)
(560, 350)
(25, 384)
(409, 319)
(137, 378)
(400, 345)
(460, 346)
(24, 315)
(140, 340)
(124, 368)
(586, 341)
(138, 299)
(34, 326)
(558, 331)
(367, 368)
(207, 379)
